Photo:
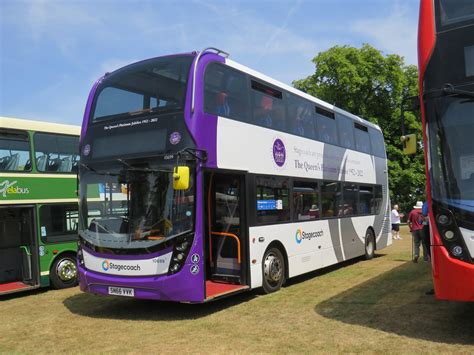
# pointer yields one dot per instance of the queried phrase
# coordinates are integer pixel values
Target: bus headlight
(80, 257)
(449, 235)
(456, 250)
(180, 252)
(443, 219)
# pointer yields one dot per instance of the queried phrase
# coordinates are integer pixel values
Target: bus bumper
(182, 286)
(453, 279)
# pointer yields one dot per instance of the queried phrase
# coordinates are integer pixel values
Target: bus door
(18, 250)
(225, 228)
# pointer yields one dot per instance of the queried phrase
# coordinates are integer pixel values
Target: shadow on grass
(90, 305)
(396, 302)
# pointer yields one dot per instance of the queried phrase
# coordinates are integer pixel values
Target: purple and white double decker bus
(201, 178)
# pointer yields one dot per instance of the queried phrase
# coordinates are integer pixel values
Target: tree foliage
(371, 85)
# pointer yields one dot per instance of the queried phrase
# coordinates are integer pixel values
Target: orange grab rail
(223, 234)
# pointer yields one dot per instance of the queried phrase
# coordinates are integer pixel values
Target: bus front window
(451, 129)
(134, 208)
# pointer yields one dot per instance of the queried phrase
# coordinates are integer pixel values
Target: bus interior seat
(66, 165)
(27, 165)
(14, 162)
(41, 162)
(4, 162)
(54, 164)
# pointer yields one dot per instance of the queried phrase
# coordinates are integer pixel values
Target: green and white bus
(38, 204)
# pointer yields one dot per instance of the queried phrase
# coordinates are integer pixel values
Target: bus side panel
(310, 245)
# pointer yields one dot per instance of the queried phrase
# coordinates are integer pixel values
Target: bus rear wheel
(369, 244)
(273, 270)
(63, 273)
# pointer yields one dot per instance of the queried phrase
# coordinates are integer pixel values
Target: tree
(365, 82)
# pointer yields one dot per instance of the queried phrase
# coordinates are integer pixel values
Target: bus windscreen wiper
(449, 89)
(143, 170)
(87, 167)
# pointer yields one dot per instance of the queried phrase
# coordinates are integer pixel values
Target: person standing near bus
(395, 219)
(415, 222)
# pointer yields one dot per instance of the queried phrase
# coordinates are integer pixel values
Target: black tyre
(63, 273)
(369, 244)
(273, 270)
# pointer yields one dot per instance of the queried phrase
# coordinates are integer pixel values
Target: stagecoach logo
(107, 265)
(175, 138)
(300, 235)
(9, 188)
(279, 152)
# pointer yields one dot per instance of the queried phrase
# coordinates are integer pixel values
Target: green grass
(360, 306)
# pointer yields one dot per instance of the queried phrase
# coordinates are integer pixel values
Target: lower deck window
(58, 223)
(272, 200)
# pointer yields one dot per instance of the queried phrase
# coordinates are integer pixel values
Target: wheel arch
(60, 254)
(279, 245)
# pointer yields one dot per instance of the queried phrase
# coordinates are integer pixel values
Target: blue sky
(51, 52)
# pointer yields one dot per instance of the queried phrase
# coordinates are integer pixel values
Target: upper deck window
(326, 125)
(56, 153)
(452, 12)
(377, 142)
(225, 92)
(152, 86)
(14, 151)
(362, 138)
(346, 133)
(301, 117)
(267, 105)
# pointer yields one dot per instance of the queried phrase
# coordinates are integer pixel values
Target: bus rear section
(18, 249)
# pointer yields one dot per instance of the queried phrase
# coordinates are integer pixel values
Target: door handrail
(25, 248)
(224, 234)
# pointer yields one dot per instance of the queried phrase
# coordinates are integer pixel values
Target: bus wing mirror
(409, 144)
(181, 178)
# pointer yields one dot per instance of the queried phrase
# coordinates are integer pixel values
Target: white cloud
(394, 33)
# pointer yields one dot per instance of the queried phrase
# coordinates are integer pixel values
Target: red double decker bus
(446, 80)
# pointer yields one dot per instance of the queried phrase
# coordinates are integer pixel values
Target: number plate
(121, 291)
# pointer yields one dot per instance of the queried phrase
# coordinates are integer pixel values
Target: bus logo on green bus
(9, 188)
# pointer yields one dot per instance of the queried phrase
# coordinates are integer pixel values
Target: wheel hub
(66, 270)
(272, 269)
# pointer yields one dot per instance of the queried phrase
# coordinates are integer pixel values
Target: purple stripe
(202, 126)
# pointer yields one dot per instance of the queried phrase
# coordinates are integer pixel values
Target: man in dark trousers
(415, 222)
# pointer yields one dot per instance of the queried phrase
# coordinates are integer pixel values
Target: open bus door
(18, 250)
(226, 265)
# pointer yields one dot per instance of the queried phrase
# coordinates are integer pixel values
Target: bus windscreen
(152, 86)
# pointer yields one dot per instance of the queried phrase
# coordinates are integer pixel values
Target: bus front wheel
(63, 273)
(273, 269)
(369, 244)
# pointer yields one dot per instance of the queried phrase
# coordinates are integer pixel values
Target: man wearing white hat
(415, 222)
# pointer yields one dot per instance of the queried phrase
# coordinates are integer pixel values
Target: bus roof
(39, 126)
(286, 87)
